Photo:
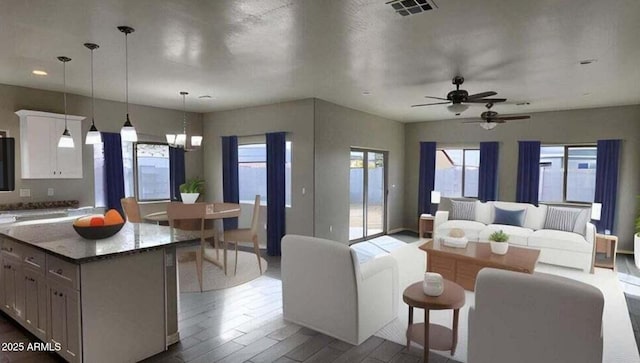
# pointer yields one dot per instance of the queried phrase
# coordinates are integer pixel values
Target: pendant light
(93, 136)
(128, 132)
(180, 140)
(66, 141)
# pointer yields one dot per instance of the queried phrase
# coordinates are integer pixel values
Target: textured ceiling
(247, 53)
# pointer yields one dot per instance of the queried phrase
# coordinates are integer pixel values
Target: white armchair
(534, 318)
(325, 289)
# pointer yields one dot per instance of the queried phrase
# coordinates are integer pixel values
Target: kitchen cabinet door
(13, 293)
(35, 296)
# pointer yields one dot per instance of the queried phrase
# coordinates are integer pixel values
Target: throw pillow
(463, 210)
(561, 218)
(509, 217)
(581, 222)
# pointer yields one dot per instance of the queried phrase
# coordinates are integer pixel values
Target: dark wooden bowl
(98, 232)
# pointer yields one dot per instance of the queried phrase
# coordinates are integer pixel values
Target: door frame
(365, 189)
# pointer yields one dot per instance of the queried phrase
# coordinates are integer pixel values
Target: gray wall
(295, 118)
(337, 129)
(150, 122)
(574, 126)
(321, 134)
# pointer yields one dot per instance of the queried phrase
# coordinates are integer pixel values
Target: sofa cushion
(517, 235)
(367, 251)
(484, 212)
(463, 210)
(561, 218)
(471, 228)
(549, 238)
(534, 216)
(509, 217)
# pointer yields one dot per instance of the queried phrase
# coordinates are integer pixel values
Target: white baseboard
(173, 338)
(401, 229)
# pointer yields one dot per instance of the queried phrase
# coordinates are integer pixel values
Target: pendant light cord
(184, 115)
(64, 82)
(93, 100)
(126, 72)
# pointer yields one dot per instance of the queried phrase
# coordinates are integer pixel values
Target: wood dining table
(214, 211)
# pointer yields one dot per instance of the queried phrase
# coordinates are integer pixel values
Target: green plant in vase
(498, 241)
(191, 190)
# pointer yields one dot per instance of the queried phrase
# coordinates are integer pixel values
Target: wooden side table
(433, 335)
(607, 244)
(425, 225)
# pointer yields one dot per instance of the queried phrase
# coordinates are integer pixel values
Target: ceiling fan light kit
(490, 119)
(459, 99)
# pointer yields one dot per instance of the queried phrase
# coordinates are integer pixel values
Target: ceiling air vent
(411, 7)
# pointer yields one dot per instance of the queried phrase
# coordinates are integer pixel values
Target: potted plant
(636, 239)
(191, 190)
(499, 244)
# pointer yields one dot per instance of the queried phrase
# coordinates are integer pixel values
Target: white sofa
(336, 290)
(534, 318)
(570, 249)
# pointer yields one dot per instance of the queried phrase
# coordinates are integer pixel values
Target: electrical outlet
(50, 192)
(25, 193)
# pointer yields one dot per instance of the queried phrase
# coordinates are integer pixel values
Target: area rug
(619, 342)
(213, 277)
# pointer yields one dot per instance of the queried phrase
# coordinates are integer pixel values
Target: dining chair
(197, 213)
(249, 235)
(131, 209)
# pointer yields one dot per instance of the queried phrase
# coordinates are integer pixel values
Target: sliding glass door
(367, 194)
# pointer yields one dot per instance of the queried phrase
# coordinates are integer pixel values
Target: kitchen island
(110, 300)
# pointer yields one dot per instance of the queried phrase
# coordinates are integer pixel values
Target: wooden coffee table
(463, 264)
(429, 335)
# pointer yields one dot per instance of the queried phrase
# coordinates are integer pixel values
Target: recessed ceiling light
(38, 72)
(206, 97)
(584, 62)
(366, 93)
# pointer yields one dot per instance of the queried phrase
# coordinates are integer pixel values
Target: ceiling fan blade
(436, 98)
(474, 122)
(430, 104)
(485, 100)
(513, 118)
(482, 95)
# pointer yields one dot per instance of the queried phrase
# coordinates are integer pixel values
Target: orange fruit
(96, 221)
(112, 217)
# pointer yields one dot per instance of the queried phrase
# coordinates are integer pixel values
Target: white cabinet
(12, 289)
(64, 320)
(35, 302)
(41, 158)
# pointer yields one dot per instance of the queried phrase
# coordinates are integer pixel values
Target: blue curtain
(113, 170)
(488, 171)
(607, 182)
(528, 172)
(230, 193)
(176, 171)
(427, 176)
(276, 153)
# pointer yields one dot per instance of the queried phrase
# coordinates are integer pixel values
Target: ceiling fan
(458, 97)
(491, 119)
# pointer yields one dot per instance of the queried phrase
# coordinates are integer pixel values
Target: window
(99, 176)
(252, 173)
(567, 173)
(457, 172)
(152, 171)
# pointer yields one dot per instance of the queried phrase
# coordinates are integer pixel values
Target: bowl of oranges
(99, 226)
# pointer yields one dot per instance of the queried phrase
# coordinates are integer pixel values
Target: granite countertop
(57, 236)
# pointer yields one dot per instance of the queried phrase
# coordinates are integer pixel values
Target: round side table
(429, 335)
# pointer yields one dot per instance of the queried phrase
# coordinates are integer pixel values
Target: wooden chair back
(131, 209)
(255, 219)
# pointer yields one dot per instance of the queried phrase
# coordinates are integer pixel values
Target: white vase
(433, 285)
(636, 249)
(189, 198)
(499, 248)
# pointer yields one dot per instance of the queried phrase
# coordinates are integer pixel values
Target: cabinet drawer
(33, 258)
(11, 248)
(63, 272)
